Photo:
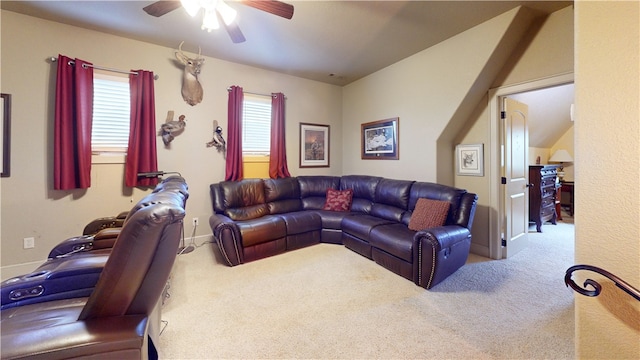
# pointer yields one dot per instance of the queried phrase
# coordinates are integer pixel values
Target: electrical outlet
(29, 243)
(195, 221)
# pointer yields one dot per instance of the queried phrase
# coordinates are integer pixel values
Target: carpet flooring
(327, 302)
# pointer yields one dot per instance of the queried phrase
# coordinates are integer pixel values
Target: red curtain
(141, 154)
(278, 152)
(72, 126)
(233, 170)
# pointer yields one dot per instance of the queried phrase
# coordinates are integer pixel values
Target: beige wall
(607, 174)
(30, 208)
(440, 96)
(566, 142)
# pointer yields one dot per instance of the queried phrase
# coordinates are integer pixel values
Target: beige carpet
(326, 301)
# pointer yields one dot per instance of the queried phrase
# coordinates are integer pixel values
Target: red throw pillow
(338, 200)
(428, 213)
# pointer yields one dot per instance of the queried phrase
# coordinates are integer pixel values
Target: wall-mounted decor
(5, 146)
(314, 145)
(470, 160)
(379, 139)
(172, 128)
(191, 89)
(218, 140)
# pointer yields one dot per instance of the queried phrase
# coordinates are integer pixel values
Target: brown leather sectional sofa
(257, 218)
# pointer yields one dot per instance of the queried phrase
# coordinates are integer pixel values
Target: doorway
(497, 248)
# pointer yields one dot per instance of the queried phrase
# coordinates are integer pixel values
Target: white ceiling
(549, 113)
(336, 42)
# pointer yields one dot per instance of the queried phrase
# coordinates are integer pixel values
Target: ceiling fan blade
(160, 8)
(271, 6)
(234, 32)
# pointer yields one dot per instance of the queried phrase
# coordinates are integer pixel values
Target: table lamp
(561, 156)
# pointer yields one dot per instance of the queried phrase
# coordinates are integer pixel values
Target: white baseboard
(480, 250)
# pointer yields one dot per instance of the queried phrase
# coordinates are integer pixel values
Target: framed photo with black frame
(380, 139)
(314, 145)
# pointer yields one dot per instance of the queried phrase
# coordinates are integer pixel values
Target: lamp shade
(560, 156)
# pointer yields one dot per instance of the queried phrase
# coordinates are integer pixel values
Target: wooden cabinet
(542, 194)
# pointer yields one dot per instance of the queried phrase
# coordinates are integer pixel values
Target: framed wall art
(470, 160)
(5, 128)
(314, 145)
(379, 139)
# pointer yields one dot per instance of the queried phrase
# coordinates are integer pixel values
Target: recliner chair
(74, 272)
(101, 233)
(113, 321)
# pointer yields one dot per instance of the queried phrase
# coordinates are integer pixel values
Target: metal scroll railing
(584, 289)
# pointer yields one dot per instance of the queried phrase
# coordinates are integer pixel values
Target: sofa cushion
(281, 189)
(332, 219)
(428, 213)
(317, 185)
(364, 191)
(243, 200)
(262, 230)
(247, 212)
(361, 225)
(393, 192)
(338, 200)
(395, 239)
(282, 195)
(301, 222)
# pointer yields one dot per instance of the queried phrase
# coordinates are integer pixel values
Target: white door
(515, 176)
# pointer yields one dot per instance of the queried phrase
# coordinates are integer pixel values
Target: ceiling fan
(218, 9)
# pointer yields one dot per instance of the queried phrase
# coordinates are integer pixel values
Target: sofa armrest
(440, 251)
(112, 337)
(71, 246)
(227, 235)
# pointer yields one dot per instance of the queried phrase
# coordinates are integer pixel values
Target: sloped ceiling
(335, 42)
(549, 113)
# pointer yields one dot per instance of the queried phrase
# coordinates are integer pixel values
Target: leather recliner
(101, 233)
(113, 321)
(74, 273)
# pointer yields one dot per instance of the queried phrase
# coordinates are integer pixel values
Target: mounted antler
(191, 88)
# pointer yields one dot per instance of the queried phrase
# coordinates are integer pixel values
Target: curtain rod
(252, 93)
(71, 62)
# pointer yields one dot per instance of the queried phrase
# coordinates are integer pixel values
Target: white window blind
(256, 125)
(111, 108)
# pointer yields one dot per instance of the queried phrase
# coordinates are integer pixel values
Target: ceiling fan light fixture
(227, 13)
(191, 6)
(210, 20)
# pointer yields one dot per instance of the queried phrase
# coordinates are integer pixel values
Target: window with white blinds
(256, 125)
(111, 108)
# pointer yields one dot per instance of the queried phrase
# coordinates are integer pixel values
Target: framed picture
(470, 160)
(379, 139)
(314, 145)
(5, 138)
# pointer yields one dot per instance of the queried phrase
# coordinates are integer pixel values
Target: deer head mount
(191, 88)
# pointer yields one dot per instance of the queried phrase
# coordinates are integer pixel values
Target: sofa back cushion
(436, 192)
(313, 190)
(243, 200)
(282, 195)
(364, 191)
(391, 199)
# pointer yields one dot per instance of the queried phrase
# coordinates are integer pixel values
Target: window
(256, 125)
(111, 108)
